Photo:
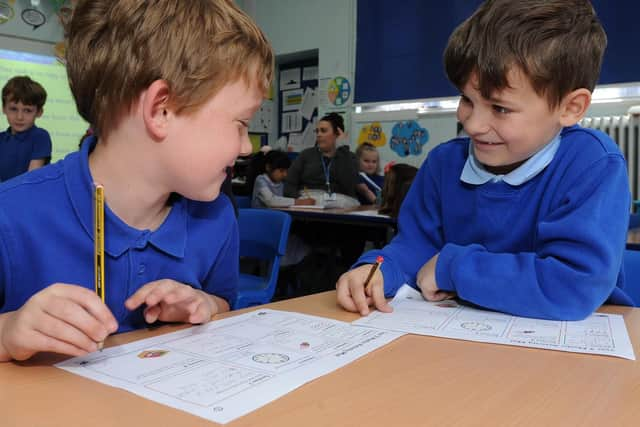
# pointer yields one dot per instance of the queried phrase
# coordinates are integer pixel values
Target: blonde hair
(367, 146)
(117, 48)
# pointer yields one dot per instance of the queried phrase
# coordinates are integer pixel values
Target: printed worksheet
(227, 368)
(600, 333)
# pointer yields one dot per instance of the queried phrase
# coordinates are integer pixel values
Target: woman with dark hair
(325, 167)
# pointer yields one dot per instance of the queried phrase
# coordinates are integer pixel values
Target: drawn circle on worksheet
(476, 326)
(270, 358)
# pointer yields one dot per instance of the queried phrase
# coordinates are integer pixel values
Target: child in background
(268, 187)
(167, 123)
(370, 181)
(23, 146)
(397, 181)
(528, 213)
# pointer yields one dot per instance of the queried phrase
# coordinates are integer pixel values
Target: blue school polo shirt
(17, 150)
(46, 236)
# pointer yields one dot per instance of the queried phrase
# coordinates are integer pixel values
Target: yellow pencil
(98, 238)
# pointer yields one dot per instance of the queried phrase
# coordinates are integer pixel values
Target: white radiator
(625, 131)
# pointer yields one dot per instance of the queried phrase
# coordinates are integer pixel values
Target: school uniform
(373, 182)
(46, 236)
(544, 241)
(17, 150)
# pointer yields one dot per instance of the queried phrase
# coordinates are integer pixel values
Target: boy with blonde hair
(23, 146)
(169, 88)
(527, 215)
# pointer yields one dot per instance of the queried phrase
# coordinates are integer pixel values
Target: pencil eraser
(379, 259)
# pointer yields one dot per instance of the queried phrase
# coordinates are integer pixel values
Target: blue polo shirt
(46, 236)
(17, 150)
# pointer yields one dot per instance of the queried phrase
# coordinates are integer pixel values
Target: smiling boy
(23, 146)
(168, 120)
(528, 214)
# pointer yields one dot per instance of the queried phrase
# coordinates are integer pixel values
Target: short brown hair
(557, 44)
(23, 89)
(117, 48)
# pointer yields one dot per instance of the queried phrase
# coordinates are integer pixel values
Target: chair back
(263, 236)
(243, 202)
(632, 275)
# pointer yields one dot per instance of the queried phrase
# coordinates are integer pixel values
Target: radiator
(625, 131)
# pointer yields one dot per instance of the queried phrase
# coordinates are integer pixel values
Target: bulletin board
(297, 105)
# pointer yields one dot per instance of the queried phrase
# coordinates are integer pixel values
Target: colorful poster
(339, 91)
(373, 134)
(407, 138)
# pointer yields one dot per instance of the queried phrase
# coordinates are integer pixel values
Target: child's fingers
(343, 294)
(152, 313)
(57, 333)
(73, 303)
(151, 293)
(379, 300)
(73, 323)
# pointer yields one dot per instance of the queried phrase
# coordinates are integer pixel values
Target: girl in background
(268, 188)
(370, 181)
(397, 181)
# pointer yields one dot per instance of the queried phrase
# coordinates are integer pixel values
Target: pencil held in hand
(374, 267)
(98, 238)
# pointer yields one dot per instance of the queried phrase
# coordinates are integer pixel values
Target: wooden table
(414, 381)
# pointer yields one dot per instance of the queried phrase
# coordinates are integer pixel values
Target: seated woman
(269, 187)
(325, 167)
(370, 181)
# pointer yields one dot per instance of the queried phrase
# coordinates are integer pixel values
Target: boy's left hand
(427, 282)
(171, 301)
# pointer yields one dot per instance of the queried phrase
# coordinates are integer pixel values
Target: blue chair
(243, 202)
(632, 275)
(263, 236)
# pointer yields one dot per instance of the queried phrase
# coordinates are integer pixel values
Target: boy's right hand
(351, 292)
(62, 318)
(305, 202)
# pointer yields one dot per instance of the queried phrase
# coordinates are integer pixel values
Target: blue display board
(400, 45)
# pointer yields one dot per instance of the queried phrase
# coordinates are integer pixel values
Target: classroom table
(341, 215)
(414, 381)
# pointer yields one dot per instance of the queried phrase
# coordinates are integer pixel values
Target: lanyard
(327, 172)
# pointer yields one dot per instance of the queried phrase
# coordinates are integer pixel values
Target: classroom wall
(294, 26)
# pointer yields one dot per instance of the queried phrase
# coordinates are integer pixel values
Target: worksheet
(600, 333)
(224, 369)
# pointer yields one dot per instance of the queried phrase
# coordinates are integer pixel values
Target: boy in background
(23, 146)
(528, 214)
(167, 123)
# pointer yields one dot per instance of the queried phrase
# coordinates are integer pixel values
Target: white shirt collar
(475, 173)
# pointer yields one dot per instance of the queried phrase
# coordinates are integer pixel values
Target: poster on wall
(408, 138)
(290, 79)
(262, 119)
(335, 92)
(292, 100)
(373, 134)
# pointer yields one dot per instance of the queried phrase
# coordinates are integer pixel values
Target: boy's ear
(39, 113)
(156, 109)
(574, 106)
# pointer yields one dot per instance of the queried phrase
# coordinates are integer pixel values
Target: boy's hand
(62, 318)
(305, 201)
(427, 282)
(171, 301)
(351, 292)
